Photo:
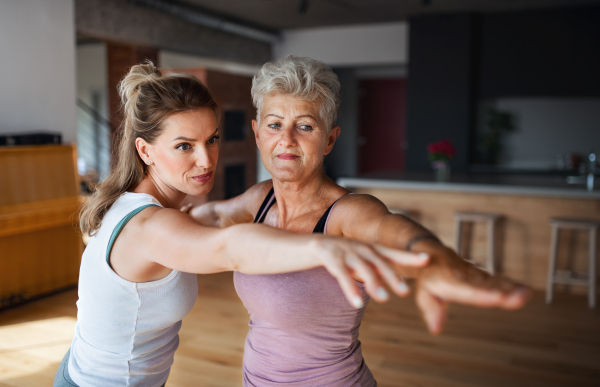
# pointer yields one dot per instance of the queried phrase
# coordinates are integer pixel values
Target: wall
(378, 44)
(37, 42)
(440, 87)
(547, 127)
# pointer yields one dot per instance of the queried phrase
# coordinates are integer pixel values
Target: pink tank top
(303, 331)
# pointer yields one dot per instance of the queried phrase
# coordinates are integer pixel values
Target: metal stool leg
(552, 265)
(491, 246)
(592, 268)
(458, 236)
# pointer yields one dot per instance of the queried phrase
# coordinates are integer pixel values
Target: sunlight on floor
(30, 352)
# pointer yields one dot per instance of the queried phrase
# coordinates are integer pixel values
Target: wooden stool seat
(567, 277)
(491, 221)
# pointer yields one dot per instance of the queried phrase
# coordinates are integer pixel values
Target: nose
(203, 159)
(287, 137)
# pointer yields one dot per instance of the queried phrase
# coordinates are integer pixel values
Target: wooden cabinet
(40, 245)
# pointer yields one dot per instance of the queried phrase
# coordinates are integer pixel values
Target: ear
(143, 149)
(334, 133)
(255, 130)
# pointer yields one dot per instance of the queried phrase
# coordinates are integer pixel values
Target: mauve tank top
(303, 331)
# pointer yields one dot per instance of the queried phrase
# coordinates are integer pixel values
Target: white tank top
(126, 332)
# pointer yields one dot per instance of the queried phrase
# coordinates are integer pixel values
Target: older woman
(302, 330)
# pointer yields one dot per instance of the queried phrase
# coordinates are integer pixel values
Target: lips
(203, 178)
(287, 156)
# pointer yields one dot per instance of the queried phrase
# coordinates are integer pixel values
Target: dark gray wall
(458, 60)
(439, 88)
(124, 22)
(553, 53)
(343, 159)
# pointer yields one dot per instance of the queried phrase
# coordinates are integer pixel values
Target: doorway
(382, 125)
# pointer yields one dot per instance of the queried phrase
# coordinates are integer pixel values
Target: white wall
(358, 45)
(37, 69)
(548, 127)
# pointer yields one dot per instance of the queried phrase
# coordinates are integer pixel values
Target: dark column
(440, 86)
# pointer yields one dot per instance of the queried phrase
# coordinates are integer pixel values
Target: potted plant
(498, 124)
(440, 154)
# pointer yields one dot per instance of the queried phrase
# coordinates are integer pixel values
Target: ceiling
(285, 14)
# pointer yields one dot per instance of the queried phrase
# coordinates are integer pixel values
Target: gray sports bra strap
(120, 226)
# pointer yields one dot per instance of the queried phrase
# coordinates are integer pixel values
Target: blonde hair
(148, 98)
(304, 78)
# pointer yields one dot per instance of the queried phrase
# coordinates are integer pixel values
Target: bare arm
(225, 213)
(172, 239)
(448, 278)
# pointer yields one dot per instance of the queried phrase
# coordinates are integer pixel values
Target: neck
(297, 198)
(167, 196)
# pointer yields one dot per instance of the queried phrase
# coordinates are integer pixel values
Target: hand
(345, 259)
(449, 278)
(187, 208)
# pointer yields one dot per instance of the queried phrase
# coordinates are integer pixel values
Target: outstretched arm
(448, 278)
(171, 239)
(225, 213)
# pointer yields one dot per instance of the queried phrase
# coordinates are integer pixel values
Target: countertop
(498, 184)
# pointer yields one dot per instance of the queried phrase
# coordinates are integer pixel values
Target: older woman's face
(292, 137)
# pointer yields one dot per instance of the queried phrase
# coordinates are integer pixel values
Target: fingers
(433, 310)
(186, 208)
(402, 257)
(387, 272)
(340, 272)
(368, 275)
(477, 288)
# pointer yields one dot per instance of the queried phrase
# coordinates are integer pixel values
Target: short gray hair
(300, 77)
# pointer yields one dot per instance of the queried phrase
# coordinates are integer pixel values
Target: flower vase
(441, 169)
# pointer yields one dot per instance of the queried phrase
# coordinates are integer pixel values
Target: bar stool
(568, 277)
(491, 221)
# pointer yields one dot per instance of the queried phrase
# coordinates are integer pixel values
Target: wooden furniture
(40, 248)
(568, 277)
(490, 220)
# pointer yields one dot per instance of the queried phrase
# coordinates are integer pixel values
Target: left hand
(449, 278)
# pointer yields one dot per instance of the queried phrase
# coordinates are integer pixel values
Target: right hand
(346, 259)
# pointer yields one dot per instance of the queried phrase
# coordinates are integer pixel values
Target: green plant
(498, 123)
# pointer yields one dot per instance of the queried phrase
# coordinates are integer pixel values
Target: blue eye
(213, 140)
(274, 126)
(185, 146)
(306, 128)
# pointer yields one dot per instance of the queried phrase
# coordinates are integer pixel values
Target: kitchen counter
(505, 184)
(526, 203)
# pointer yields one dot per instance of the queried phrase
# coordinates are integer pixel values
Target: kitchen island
(526, 203)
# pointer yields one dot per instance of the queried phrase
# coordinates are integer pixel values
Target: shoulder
(255, 195)
(357, 214)
(355, 204)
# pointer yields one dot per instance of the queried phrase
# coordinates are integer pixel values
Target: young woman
(302, 330)
(135, 281)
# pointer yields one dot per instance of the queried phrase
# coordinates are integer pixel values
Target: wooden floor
(542, 345)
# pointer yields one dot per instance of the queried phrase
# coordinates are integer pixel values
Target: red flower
(441, 150)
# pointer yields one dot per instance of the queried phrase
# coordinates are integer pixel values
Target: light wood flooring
(557, 345)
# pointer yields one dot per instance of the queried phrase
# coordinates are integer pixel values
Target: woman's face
(292, 137)
(184, 156)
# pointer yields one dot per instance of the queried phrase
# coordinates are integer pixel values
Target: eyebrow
(280, 117)
(179, 138)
